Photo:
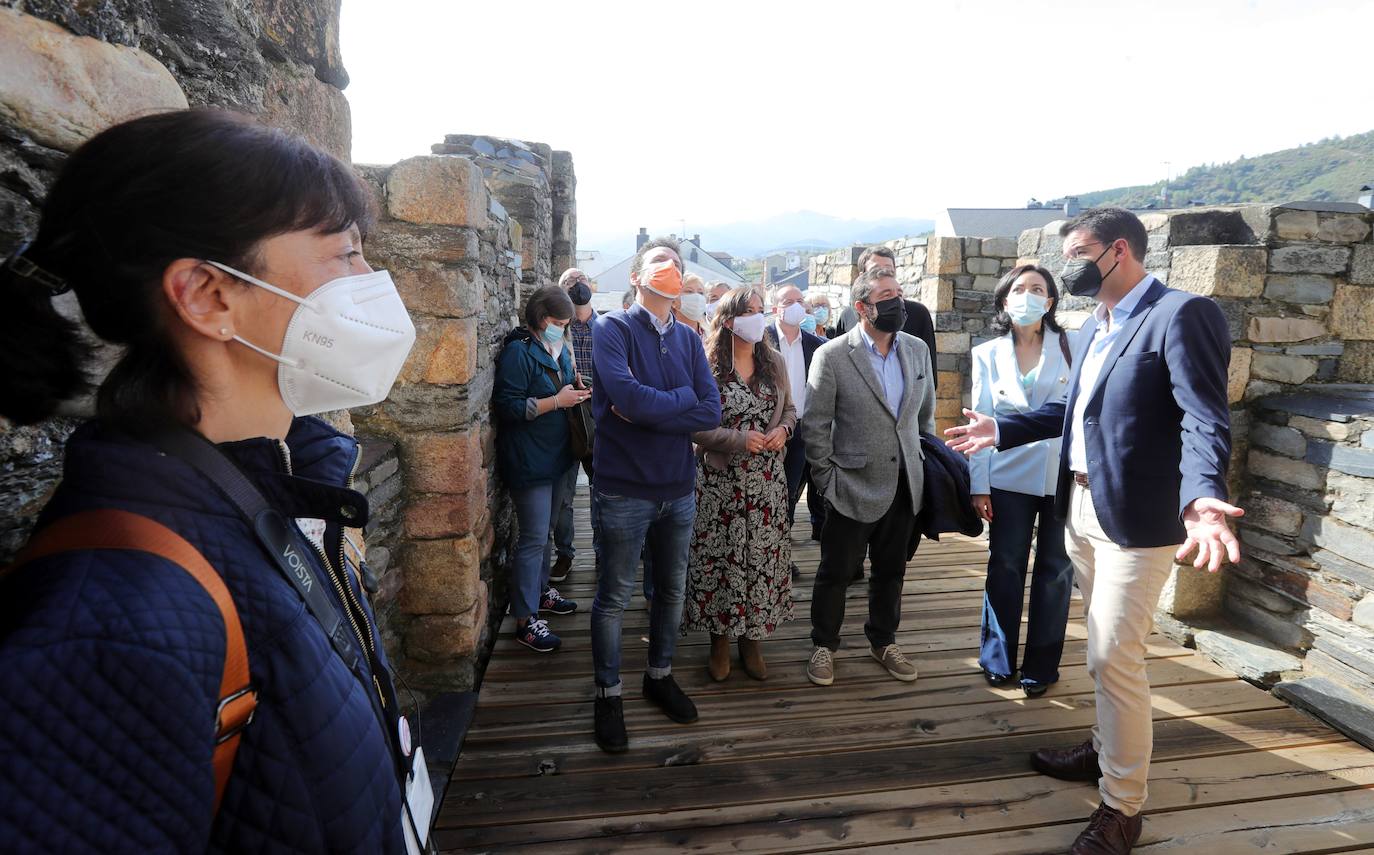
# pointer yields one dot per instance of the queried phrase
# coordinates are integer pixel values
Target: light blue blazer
(1032, 469)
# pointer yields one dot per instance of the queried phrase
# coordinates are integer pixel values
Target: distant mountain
(1330, 170)
(799, 230)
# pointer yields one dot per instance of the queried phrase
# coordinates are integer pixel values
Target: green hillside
(1330, 170)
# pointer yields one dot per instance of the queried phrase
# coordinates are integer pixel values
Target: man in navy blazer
(1147, 440)
(796, 346)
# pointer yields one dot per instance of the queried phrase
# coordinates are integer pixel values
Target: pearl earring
(224, 332)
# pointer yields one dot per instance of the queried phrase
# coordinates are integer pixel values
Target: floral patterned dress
(739, 580)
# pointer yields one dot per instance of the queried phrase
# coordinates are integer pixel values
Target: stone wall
(71, 69)
(449, 246)
(535, 185)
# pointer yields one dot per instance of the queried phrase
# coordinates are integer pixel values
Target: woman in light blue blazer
(1026, 366)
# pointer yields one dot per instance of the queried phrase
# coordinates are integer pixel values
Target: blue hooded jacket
(110, 663)
(530, 451)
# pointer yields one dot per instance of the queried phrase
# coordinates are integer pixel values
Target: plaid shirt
(582, 346)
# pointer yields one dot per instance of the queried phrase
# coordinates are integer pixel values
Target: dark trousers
(1014, 516)
(843, 543)
(799, 478)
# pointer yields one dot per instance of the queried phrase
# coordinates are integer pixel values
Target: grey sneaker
(891, 658)
(821, 669)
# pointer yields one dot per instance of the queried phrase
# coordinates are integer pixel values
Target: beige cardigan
(717, 445)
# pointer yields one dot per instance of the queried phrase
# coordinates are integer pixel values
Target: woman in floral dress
(739, 583)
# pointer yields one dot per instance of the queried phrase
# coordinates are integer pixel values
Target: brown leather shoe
(719, 665)
(1109, 832)
(1078, 763)
(751, 657)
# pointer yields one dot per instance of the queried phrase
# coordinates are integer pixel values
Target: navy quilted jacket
(110, 665)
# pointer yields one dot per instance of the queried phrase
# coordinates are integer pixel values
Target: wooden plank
(847, 730)
(736, 796)
(796, 702)
(1332, 822)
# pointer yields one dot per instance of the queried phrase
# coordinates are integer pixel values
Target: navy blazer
(1157, 427)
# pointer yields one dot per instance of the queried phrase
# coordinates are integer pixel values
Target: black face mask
(1082, 277)
(580, 294)
(891, 315)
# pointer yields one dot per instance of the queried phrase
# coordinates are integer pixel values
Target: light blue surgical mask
(808, 323)
(1025, 308)
(552, 334)
(821, 314)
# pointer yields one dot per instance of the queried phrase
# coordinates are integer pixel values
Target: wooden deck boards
(873, 765)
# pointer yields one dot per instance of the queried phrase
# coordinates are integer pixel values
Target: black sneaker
(675, 704)
(610, 725)
(560, 569)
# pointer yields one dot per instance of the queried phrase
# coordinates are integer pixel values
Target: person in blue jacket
(532, 393)
(1024, 367)
(218, 253)
(652, 390)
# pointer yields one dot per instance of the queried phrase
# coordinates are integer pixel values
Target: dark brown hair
(879, 250)
(720, 340)
(1110, 225)
(551, 301)
(203, 184)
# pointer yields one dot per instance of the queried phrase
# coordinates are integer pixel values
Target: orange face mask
(663, 279)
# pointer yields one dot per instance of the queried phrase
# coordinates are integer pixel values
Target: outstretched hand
(1209, 533)
(978, 434)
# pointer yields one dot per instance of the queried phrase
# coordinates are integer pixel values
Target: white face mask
(1025, 308)
(693, 306)
(344, 345)
(793, 314)
(749, 327)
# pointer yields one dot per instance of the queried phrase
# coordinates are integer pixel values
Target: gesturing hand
(1209, 533)
(978, 434)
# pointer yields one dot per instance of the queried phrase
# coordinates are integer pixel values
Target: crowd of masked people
(189, 660)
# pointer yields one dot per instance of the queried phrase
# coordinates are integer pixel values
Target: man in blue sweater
(652, 390)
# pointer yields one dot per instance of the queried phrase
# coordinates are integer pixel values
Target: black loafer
(1034, 688)
(997, 681)
(667, 696)
(610, 725)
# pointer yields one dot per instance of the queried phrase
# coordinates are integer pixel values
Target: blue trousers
(535, 510)
(626, 524)
(1014, 516)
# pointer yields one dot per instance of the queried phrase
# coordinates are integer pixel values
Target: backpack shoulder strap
(114, 529)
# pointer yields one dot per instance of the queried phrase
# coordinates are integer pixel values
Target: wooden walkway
(873, 765)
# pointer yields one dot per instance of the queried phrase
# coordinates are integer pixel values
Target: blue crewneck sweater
(662, 388)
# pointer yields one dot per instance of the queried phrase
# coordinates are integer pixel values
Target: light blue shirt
(1109, 326)
(889, 370)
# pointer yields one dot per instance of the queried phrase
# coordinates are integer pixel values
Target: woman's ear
(200, 295)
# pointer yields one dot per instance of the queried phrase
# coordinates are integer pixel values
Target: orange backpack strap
(112, 529)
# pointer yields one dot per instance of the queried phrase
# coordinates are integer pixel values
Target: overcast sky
(713, 112)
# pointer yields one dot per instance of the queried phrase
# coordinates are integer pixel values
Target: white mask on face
(1025, 308)
(749, 327)
(344, 345)
(793, 314)
(693, 306)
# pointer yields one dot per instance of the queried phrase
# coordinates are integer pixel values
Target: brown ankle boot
(719, 665)
(751, 657)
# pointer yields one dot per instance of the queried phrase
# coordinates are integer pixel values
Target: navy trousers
(1014, 518)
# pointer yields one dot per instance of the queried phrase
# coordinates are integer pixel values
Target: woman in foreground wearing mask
(690, 306)
(202, 511)
(533, 389)
(1025, 367)
(739, 584)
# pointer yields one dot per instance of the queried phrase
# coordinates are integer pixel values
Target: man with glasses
(868, 397)
(1147, 441)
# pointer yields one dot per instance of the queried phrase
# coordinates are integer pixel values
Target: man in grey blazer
(869, 395)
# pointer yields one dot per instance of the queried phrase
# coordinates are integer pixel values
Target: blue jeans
(535, 509)
(625, 524)
(1013, 517)
(563, 524)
